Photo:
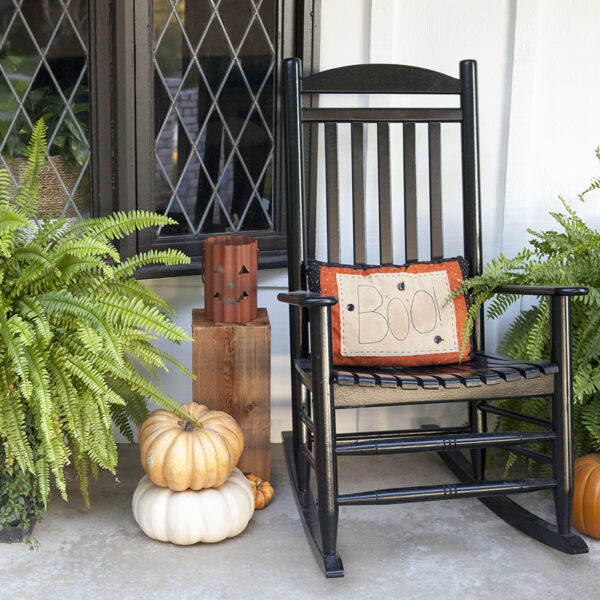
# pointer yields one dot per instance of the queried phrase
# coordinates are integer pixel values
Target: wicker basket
(52, 195)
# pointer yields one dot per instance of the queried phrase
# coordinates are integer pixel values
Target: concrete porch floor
(447, 550)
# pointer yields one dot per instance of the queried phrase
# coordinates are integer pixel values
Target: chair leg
(326, 471)
(330, 563)
(561, 413)
(562, 462)
(324, 420)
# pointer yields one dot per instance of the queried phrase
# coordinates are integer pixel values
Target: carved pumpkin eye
(243, 270)
(220, 269)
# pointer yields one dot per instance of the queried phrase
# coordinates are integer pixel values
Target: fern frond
(67, 399)
(132, 312)
(85, 248)
(151, 257)
(135, 403)
(12, 417)
(4, 188)
(118, 225)
(121, 419)
(15, 352)
(42, 474)
(11, 219)
(100, 447)
(32, 310)
(149, 390)
(499, 304)
(62, 303)
(149, 354)
(49, 232)
(39, 267)
(21, 329)
(79, 268)
(82, 465)
(131, 288)
(27, 194)
(83, 370)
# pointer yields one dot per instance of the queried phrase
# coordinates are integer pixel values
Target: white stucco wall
(539, 120)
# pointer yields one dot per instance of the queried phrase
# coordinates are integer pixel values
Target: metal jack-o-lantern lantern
(229, 266)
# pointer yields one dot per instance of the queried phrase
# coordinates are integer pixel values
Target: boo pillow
(394, 315)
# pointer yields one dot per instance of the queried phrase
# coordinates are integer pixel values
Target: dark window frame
(123, 155)
(101, 109)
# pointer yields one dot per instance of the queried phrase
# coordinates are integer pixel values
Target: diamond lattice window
(44, 74)
(214, 114)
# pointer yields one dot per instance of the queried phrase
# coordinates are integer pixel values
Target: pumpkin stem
(188, 424)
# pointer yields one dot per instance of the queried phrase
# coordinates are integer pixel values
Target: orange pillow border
(322, 279)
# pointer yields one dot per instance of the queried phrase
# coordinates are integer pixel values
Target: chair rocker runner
(319, 387)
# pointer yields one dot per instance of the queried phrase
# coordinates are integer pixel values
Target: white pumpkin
(184, 518)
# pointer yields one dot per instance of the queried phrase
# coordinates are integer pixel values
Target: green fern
(569, 256)
(75, 328)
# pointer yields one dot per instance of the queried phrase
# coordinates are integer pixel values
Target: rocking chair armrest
(541, 290)
(306, 299)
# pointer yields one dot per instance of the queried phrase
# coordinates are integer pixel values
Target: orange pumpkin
(263, 490)
(197, 452)
(586, 495)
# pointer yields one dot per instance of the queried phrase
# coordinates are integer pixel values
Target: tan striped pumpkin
(193, 453)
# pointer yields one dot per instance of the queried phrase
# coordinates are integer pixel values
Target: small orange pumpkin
(586, 495)
(263, 490)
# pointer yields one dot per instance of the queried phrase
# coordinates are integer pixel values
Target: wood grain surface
(232, 364)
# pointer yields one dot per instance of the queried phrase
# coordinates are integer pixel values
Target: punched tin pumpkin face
(230, 264)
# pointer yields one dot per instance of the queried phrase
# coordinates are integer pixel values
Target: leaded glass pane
(44, 74)
(214, 114)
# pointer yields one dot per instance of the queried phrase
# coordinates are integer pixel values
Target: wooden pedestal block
(232, 364)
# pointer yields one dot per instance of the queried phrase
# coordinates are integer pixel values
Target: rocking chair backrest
(301, 112)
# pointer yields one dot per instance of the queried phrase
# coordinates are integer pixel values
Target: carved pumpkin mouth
(230, 301)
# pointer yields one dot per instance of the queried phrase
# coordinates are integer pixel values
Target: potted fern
(75, 330)
(568, 256)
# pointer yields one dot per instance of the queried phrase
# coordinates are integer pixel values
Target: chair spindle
(332, 190)
(385, 202)
(435, 191)
(358, 193)
(410, 194)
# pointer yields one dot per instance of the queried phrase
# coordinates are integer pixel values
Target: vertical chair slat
(332, 192)
(311, 141)
(435, 191)
(410, 193)
(358, 193)
(385, 202)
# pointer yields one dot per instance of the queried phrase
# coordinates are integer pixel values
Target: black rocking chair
(319, 388)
